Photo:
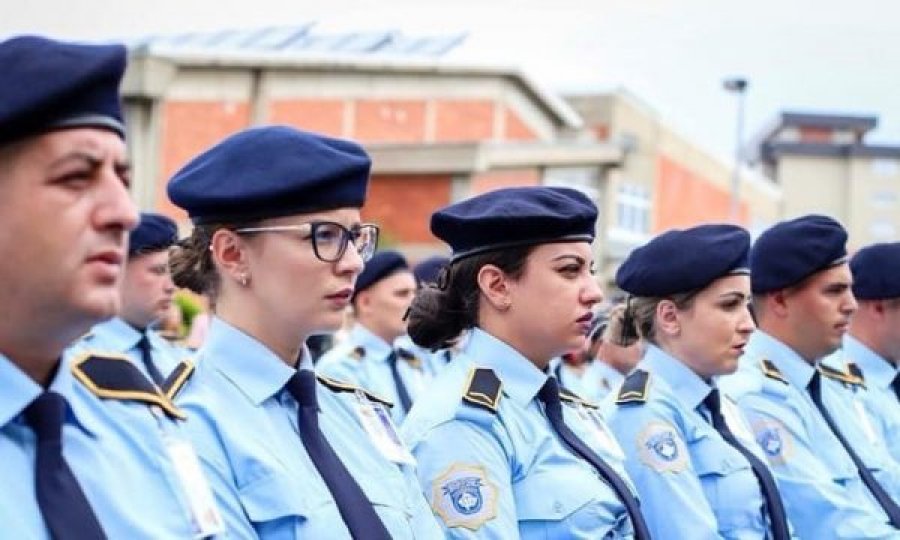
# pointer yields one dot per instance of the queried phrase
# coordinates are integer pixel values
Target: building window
(584, 179)
(633, 208)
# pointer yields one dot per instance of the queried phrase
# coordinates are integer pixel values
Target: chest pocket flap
(711, 455)
(275, 496)
(555, 496)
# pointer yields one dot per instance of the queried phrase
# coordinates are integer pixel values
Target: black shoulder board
(175, 381)
(409, 357)
(634, 388)
(340, 386)
(567, 395)
(838, 375)
(358, 353)
(483, 389)
(770, 371)
(856, 372)
(115, 377)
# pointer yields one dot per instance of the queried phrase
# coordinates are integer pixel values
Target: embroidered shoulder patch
(775, 440)
(112, 376)
(483, 389)
(340, 386)
(634, 388)
(770, 371)
(464, 496)
(661, 448)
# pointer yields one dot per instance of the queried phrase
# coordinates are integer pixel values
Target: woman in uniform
(503, 451)
(277, 246)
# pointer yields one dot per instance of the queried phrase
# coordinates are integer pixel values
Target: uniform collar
(250, 366)
(118, 333)
(521, 379)
(376, 348)
(688, 387)
(878, 372)
(608, 373)
(19, 391)
(792, 366)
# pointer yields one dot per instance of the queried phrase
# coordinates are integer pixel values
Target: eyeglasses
(329, 239)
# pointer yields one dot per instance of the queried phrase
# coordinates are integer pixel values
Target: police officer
(871, 348)
(503, 450)
(147, 292)
(368, 357)
(80, 442)
(277, 246)
(803, 302)
(689, 451)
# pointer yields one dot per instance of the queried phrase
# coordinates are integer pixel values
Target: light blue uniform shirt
(823, 493)
(692, 483)
(244, 425)
(117, 336)
(114, 448)
(882, 402)
(597, 381)
(434, 361)
(371, 370)
(849, 406)
(507, 474)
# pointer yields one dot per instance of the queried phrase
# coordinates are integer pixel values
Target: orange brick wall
(463, 120)
(815, 134)
(684, 199)
(188, 128)
(492, 180)
(516, 130)
(389, 121)
(402, 205)
(324, 116)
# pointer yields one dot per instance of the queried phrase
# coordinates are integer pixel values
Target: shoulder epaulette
(358, 353)
(567, 395)
(770, 371)
(634, 388)
(176, 380)
(409, 357)
(483, 389)
(838, 375)
(341, 386)
(115, 377)
(854, 369)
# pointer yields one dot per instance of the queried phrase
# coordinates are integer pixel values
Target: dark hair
(442, 310)
(190, 259)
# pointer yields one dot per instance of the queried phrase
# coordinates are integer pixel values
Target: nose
(592, 294)
(746, 324)
(350, 262)
(115, 210)
(168, 284)
(851, 305)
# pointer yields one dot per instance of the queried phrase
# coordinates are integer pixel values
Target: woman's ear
(229, 253)
(494, 286)
(668, 322)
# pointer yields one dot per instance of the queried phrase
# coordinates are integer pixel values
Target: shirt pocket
(728, 481)
(275, 498)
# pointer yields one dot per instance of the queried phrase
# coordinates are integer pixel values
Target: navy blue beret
(876, 272)
(513, 217)
(49, 84)
(155, 232)
(427, 271)
(790, 251)
(679, 261)
(381, 265)
(270, 172)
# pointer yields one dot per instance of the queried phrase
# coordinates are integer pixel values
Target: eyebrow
(738, 294)
(93, 160)
(577, 258)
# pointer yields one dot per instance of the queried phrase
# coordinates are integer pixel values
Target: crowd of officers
(737, 391)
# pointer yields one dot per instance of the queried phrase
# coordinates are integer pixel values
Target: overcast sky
(824, 55)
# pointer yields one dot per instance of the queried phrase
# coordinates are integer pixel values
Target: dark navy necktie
(355, 508)
(895, 384)
(549, 395)
(889, 506)
(63, 505)
(774, 505)
(405, 401)
(147, 358)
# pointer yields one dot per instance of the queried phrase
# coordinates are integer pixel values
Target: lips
(343, 294)
(111, 257)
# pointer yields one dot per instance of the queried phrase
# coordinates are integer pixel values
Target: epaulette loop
(111, 376)
(634, 388)
(845, 377)
(857, 372)
(341, 386)
(483, 389)
(772, 372)
(567, 395)
(410, 358)
(177, 379)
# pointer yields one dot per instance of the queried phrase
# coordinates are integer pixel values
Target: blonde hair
(638, 317)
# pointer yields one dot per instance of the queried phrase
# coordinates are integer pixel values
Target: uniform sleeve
(819, 504)
(656, 458)
(467, 479)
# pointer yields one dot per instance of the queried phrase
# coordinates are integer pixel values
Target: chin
(100, 305)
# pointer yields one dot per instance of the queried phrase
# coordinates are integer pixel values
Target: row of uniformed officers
(722, 431)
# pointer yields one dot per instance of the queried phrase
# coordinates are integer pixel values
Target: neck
(864, 332)
(385, 335)
(286, 343)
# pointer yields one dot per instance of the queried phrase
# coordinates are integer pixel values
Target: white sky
(824, 55)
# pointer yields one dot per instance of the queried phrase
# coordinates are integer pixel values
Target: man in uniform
(147, 292)
(802, 296)
(77, 440)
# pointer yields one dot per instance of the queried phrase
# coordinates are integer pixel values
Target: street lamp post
(737, 85)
